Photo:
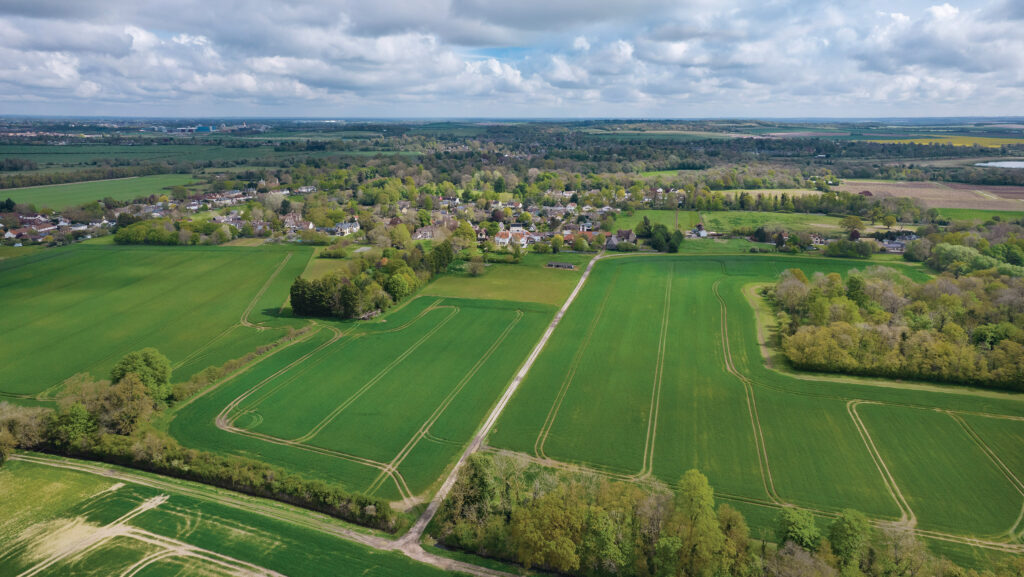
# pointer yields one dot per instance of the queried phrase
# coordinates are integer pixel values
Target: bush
(849, 249)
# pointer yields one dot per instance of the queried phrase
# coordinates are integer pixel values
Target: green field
(59, 196)
(727, 221)
(382, 407)
(70, 522)
(979, 215)
(656, 368)
(81, 308)
(528, 281)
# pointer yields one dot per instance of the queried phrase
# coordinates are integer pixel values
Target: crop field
(657, 368)
(59, 196)
(383, 407)
(81, 308)
(73, 522)
(943, 195)
(956, 140)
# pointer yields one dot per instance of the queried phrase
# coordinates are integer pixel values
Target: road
(408, 544)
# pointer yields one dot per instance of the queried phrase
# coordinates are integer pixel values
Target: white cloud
(543, 58)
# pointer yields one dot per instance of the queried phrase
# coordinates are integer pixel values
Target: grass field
(7, 252)
(59, 196)
(528, 281)
(726, 221)
(383, 407)
(81, 308)
(980, 215)
(656, 368)
(68, 522)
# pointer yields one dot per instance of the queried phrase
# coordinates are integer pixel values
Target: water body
(1003, 164)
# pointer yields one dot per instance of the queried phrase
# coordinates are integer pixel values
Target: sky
(512, 58)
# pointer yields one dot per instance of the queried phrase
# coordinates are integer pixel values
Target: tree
(701, 536)
(151, 367)
(643, 228)
(464, 234)
(475, 266)
(797, 525)
(579, 244)
(126, 404)
(400, 237)
(7, 445)
(849, 535)
(556, 243)
(889, 221)
(851, 223)
(69, 427)
(547, 532)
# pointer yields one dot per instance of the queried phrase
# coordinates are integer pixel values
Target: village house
(294, 221)
(346, 228)
(424, 233)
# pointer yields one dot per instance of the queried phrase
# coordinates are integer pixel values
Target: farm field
(943, 195)
(382, 407)
(725, 221)
(59, 196)
(956, 140)
(528, 281)
(656, 368)
(980, 215)
(70, 522)
(81, 308)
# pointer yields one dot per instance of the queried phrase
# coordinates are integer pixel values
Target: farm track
(443, 406)
(549, 421)
(755, 421)
(271, 509)
(376, 378)
(1012, 532)
(907, 516)
(244, 321)
(659, 371)
(749, 291)
(409, 543)
(881, 524)
(229, 415)
(225, 421)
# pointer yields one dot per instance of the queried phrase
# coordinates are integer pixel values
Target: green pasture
(726, 221)
(527, 281)
(47, 508)
(978, 215)
(409, 390)
(590, 398)
(81, 308)
(60, 196)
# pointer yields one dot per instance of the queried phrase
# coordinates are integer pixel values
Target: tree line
(581, 524)
(110, 421)
(370, 287)
(878, 322)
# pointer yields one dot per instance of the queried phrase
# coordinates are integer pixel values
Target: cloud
(533, 57)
